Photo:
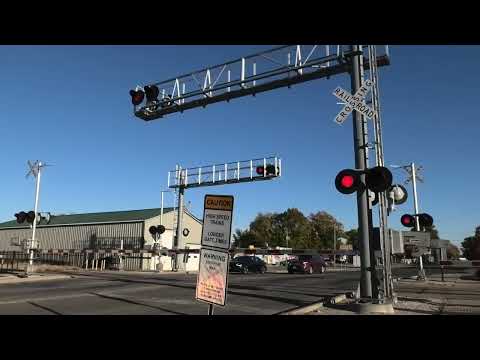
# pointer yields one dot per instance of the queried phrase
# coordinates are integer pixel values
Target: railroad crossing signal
(407, 220)
(354, 102)
(378, 179)
(269, 169)
(156, 230)
(137, 96)
(22, 216)
(424, 220)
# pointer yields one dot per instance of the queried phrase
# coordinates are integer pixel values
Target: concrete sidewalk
(457, 295)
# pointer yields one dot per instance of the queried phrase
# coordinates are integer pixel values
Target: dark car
(248, 264)
(307, 264)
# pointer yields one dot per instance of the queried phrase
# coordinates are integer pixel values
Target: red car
(307, 264)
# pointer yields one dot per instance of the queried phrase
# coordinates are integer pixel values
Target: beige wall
(189, 222)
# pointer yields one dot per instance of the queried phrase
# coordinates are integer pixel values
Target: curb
(338, 299)
(304, 310)
(33, 278)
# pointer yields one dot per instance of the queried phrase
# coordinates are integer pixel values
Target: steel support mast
(362, 195)
(34, 225)
(421, 271)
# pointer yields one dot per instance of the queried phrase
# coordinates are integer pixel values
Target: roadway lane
(149, 293)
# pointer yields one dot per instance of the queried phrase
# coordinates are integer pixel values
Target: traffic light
(270, 170)
(151, 92)
(21, 217)
(424, 220)
(29, 217)
(154, 230)
(137, 96)
(347, 181)
(407, 220)
(378, 179)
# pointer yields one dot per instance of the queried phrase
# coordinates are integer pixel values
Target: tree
(243, 238)
(323, 228)
(453, 252)
(290, 228)
(433, 232)
(471, 246)
(261, 229)
(295, 225)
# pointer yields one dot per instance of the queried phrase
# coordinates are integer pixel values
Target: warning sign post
(214, 257)
(217, 221)
(212, 277)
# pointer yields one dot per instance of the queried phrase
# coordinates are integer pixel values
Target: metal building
(117, 230)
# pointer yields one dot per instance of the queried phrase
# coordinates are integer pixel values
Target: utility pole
(35, 169)
(34, 225)
(181, 193)
(362, 195)
(334, 245)
(413, 177)
(421, 271)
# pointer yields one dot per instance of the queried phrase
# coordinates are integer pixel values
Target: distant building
(106, 231)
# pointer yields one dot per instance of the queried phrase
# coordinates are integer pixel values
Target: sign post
(212, 277)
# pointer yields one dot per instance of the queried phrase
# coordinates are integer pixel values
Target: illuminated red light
(406, 220)
(347, 181)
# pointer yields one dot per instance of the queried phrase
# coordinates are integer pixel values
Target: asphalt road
(129, 293)
(162, 294)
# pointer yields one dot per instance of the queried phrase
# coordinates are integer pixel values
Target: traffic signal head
(21, 217)
(378, 178)
(31, 217)
(407, 220)
(151, 92)
(153, 230)
(425, 220)
(347, 181)
(269, 170)
(137, 96)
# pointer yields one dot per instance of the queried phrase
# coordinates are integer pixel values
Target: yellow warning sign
(219, 202)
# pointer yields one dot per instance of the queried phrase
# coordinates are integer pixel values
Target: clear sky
(69, 106)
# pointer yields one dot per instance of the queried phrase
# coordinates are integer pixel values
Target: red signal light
(407, 220)
(260, 170)
(21, 217)
(137, 97)
(347, 181)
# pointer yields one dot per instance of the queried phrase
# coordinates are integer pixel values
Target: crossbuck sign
(354, 102)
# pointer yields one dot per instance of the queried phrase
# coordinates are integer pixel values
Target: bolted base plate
(373, 309)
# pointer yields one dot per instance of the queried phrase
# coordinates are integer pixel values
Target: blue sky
(69, 106)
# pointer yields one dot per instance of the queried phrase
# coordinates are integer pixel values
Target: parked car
(307, 264)
(248, 264)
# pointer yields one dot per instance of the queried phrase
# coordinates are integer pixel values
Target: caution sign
(212, 277)
(217, 221)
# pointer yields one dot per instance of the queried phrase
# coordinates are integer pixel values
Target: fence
(14, 261)
(445, 271)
